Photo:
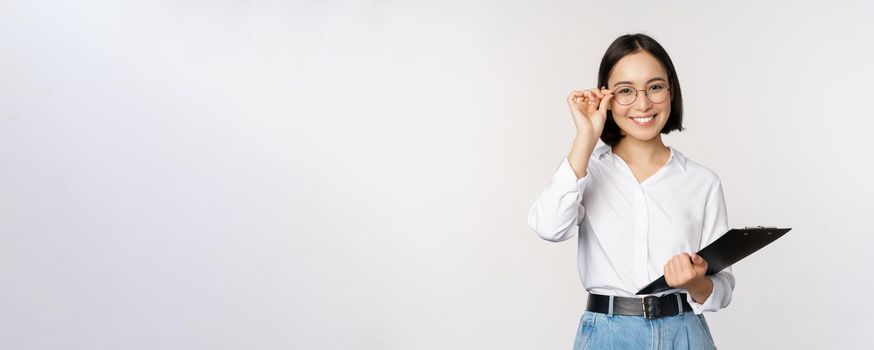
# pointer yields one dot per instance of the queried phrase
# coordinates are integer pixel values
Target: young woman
(640, 208)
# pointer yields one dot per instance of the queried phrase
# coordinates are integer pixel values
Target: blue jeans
(603, 331)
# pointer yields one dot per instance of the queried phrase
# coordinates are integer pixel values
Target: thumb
(605, 101)
(697, 259)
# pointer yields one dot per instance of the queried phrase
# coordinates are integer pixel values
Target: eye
(656, 87)
(624, 90)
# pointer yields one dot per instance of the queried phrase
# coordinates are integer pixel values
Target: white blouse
(628, 230)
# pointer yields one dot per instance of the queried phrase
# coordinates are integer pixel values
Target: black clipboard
(733, 246)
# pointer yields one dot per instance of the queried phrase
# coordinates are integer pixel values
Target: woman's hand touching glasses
(589, 109)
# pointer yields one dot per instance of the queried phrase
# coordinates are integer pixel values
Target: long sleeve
(715, 225)
(557, 212)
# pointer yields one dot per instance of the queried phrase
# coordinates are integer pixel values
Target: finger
(671, 273)
(584, 99)
(701, 265)
(576, 97)
(681, 264)
(697, 259)
(605, 101)
(683, 259)
(674, 265)
(686, 269)
(594, 99)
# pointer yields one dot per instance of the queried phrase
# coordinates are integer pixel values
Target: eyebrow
(648, 81)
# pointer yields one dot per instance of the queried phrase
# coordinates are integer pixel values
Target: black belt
(650, 307)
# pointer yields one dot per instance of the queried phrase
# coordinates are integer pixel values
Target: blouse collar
(606, 150)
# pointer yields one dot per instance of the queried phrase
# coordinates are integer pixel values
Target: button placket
(641, 226)
(641, 239)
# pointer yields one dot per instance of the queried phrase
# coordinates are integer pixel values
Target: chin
(644, 136)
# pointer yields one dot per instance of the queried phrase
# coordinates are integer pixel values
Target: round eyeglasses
(626, 95)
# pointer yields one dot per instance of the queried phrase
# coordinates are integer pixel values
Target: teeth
(642, 120)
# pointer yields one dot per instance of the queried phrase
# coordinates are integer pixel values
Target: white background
(356, 175)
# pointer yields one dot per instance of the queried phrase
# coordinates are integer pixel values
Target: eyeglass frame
(667, 86)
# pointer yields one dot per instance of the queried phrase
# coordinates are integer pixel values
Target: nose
(642, 101)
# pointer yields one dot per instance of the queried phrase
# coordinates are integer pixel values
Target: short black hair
(624, 46)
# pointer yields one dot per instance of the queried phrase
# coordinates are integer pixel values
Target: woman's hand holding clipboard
(733, 246)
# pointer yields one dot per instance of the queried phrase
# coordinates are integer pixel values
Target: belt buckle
(655, 307)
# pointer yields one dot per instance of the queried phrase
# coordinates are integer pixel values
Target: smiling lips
(644, 121)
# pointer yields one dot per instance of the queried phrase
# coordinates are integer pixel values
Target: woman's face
(639, 71)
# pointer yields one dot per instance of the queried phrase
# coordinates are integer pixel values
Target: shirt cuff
(567, 178)
(712, 303)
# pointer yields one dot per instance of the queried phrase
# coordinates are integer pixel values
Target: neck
(635, 151)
